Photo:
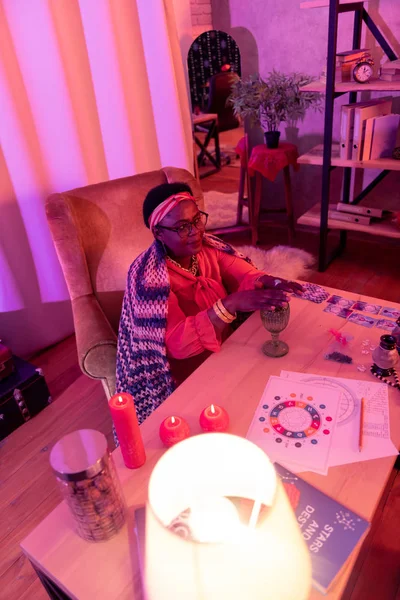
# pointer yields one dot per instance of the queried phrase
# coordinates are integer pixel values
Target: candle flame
(213, 409)
(120, 400)
(172, 419)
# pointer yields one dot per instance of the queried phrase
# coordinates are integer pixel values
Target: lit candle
(173, 430)
(126, 425)
(214, 418)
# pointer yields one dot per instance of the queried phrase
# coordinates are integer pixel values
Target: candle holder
(275, 321)
(219, 525)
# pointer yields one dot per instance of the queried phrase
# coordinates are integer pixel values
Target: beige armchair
(98, 230)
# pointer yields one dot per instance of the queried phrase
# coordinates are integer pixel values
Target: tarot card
(339, 301)
(363, 320)
(385, 324)
(313, 292)
(337, 310)
(392, 313)
(365, 307)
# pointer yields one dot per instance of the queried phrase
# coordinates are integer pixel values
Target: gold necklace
(194, 266)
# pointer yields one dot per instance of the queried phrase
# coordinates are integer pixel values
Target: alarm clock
(363, 71)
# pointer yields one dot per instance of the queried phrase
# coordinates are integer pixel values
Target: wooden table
(234, 378)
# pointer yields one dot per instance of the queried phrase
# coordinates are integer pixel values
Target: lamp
(244, 541)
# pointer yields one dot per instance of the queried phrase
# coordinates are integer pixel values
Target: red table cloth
(268, 161)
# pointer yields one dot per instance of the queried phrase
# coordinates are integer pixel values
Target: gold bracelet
(220, 315)
(225, 311)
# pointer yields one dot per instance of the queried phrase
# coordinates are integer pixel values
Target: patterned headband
(165, 207)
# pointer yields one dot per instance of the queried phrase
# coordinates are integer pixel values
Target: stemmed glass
(275, 320)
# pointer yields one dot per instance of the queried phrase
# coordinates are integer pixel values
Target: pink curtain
(90, 90)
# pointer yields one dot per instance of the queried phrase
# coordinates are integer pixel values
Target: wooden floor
(28, 488)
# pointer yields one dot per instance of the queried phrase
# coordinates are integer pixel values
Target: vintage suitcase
(6, 362)
(22, 395)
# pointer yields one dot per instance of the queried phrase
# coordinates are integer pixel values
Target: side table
(267, 162)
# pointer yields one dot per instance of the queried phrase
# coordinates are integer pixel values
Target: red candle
(214, 418)
(173, 430)
(126, 425)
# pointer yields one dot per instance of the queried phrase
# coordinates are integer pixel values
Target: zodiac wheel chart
(296, 421)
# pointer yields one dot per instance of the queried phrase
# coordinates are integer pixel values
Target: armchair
(98, 231)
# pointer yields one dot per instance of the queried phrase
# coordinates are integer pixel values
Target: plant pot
(272, 138)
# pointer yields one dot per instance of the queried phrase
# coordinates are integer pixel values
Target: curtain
(90, 90)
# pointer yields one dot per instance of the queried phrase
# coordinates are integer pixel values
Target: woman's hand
(250, 300)
(277, 283)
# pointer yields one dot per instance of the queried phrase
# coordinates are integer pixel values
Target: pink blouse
(190, 335)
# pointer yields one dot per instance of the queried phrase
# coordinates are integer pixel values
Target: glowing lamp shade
(244, 542)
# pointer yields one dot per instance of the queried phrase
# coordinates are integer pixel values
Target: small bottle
(385, 356)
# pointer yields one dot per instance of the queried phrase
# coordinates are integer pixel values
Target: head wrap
(165, 207)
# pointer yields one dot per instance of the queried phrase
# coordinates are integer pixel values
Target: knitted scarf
(142, 365)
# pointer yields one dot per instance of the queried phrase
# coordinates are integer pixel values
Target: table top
(233, 378)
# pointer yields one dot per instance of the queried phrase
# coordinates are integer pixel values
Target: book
(391, 64)
(330, 530)
(350, 55)
(347, 125)
(384, 135)
(356, 209)
(348, 217)
(390, 77)
(361, 114)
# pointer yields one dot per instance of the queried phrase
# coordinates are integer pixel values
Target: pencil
(360, 438)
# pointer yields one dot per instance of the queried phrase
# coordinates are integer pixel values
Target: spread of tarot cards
(294, 423)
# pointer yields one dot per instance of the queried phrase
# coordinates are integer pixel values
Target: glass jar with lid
(89, 483)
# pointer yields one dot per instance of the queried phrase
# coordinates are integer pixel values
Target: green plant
(277, 98)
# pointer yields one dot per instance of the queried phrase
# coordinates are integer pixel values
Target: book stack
(368, 130)
(390, 71)
(345, 63)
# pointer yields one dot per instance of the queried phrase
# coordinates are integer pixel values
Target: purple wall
(277, 34)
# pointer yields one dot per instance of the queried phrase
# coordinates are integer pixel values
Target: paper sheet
(376, 431)
(294, 424)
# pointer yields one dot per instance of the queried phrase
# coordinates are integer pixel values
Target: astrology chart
(294, 423)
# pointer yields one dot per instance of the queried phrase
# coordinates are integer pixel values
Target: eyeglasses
(185, 229)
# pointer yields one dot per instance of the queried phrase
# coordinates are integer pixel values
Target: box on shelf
(23, 394)
(356, 209)
(348, 217)
(6, 362)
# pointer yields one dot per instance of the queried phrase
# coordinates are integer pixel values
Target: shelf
(382, 228)
(315, 157)
(375, 85)
(321, 3)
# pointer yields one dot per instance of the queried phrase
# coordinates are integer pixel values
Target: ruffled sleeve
(237, 274)
(189, 335)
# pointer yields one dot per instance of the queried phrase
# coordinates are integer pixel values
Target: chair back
(219, 92)
(98, 230)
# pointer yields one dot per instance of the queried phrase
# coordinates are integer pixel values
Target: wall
(279, 35)
(201, 13)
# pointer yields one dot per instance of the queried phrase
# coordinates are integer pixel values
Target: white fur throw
(282, 261)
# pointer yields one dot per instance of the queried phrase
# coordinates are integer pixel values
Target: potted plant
(268, 102)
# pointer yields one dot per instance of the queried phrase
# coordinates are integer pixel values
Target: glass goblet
(275, 320)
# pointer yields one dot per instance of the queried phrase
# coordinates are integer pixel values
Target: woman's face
(185, 212)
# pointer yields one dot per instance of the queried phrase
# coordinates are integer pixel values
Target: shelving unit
(327, 155)
(315, 157)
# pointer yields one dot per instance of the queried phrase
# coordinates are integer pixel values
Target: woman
(182, 297)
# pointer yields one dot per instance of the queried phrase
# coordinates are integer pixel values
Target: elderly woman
(182, 297)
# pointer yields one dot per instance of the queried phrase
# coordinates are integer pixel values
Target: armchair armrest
(96, 341)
